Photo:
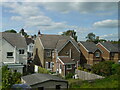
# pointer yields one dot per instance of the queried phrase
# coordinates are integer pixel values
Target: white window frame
(48, 53)
(68, 67)
(97, 54)
(9, 56)
(20, 51)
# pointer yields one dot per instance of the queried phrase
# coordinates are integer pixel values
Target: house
(56, 52)
(14, 51)
(90, 53)
(30, 46)
(110, 52)
(44, 81)
(117, 45)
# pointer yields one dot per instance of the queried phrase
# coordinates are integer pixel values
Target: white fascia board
(104, 47)
(84, 47)
(60, 61)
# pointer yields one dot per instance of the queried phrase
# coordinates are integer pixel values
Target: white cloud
(82, 7)
(16, 18)
(106, 24)
(113, 36)
(59, 1)
(32, 16)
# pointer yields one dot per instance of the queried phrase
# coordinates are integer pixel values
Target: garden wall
(87, 76)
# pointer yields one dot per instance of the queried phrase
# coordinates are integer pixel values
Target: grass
(108, 82)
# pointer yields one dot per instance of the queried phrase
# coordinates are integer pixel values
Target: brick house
(118, 47)
(51, 51)
(110, 52)
(90, 53)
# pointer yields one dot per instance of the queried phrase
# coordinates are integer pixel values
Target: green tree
(71, 33)
(103, 68)
(9, 78)
(43, 70)
(11, 31)
(91, 37)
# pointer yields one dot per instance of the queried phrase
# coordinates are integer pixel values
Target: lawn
(108, 82)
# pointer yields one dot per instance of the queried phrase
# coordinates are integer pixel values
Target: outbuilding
(44, 81)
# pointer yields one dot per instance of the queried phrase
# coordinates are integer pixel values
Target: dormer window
(21, 51)
(97, 54)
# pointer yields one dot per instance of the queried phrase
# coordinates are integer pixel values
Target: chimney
(39, 33)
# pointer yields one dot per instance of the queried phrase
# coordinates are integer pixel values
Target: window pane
(9, 53)
(21, 51)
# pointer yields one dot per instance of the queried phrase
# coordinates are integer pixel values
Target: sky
(100, 18)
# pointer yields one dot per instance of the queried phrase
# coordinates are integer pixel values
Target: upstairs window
(97, 54)
(48, 54)
(21, 51)
(9, 54)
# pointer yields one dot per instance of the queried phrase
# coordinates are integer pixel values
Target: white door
(60, 68)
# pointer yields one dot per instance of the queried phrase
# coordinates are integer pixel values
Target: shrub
(9, 78)
(85, 70)
(43, 70)
(116, 69)
(80, 68)
(103, 68)
(68, 76)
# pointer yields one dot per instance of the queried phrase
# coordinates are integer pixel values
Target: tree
(103, 68)
(71, 33)
(9, 78)
(91, 37)
(11, 31)
(23, 32)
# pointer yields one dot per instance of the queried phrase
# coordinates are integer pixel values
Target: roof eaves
(104, 46)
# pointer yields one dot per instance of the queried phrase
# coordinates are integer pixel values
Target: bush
(116, 69)
(68, 76)
(80, 68)
(9, 78)
(85, 70)
(43, 70)
(103, 68)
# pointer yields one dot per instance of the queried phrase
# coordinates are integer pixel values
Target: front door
(60, 68)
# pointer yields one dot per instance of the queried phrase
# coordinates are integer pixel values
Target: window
(9, 54)
(68, 66)
(15, 70)
(21, 51)
(48, 64)
(40, 88)
(48, 54)
(97, 54)
(60, 66)
(58, 86)
(112, 54)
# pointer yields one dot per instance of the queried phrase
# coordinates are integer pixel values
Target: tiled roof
(39, 78)
(67, 60)
(29, 40)
(14, 39)
(90, 46)
(55, 41)
(117, 46)
(109, 46)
